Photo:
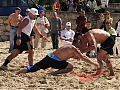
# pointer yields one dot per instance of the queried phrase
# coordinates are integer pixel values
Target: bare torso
(65, 52)
(14, 20)
(99, 35)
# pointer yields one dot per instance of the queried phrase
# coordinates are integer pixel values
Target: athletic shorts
(32, 33)
(50, 62)
(25, 43)
(108, 44)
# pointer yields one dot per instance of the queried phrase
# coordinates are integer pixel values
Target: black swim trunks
(108, 44)
(50, 62)
(32, 33)
(25, 43)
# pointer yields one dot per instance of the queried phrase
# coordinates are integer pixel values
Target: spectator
(67, 34)
(100, 21)
(27, 11)
(112, 32)
(79, 6)
(107, 19)
(56, 26)
(98, 7)
(80, 21)
(14, 20)
(64, 5)
(71, 6)
(56, 5)
(84, 5)
(110, 29)
(88, 26)
(42, 24)
(104, 4)
(117, 27)
(92, 4)
(75, 4)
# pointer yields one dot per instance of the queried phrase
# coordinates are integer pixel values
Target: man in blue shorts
(57, 60)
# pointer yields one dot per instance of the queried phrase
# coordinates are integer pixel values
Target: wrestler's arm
(92, 43)
(78, 53)
(23, 24)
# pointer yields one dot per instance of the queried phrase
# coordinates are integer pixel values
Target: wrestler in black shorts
(108, 44)
(32, 33)
(25, 43)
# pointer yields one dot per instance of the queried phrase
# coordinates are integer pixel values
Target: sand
(42, 80)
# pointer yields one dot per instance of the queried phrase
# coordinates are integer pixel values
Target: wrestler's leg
(65, 70)
(33, 68)
(109, 65)
(100, 57)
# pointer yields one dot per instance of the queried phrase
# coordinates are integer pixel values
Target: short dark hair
(88, 22)
(77, 34)
(17, 8)
(108, 23)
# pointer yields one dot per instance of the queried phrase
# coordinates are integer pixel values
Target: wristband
(41, 36)
(19, 37)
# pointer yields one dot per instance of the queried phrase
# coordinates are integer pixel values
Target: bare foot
(24, 70)
(110, 77)
(111, 74)
(54, 74)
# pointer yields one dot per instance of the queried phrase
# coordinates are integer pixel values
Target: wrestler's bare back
(99, 35)
(65, 52)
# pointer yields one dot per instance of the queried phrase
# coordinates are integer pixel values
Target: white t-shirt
(28, 29)
(104, 2)
(118, 28)
(43, 20)
(67, 34)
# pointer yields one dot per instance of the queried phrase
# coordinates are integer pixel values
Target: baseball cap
(41, 11)
(68, 24)
(34, 11)
(27, 10)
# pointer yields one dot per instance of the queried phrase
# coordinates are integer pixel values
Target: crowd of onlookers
(79, 5)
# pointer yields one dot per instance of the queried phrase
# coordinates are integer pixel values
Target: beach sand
(42, 80)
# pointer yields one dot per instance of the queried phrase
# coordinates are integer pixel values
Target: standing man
(67, 34)
(88, 26)
(81, 21)
(22, 38)
(104, 5)
(32, 33)
(42, 25)
(14, 20)
(64, 5)
(107, 42)
(56, 25)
